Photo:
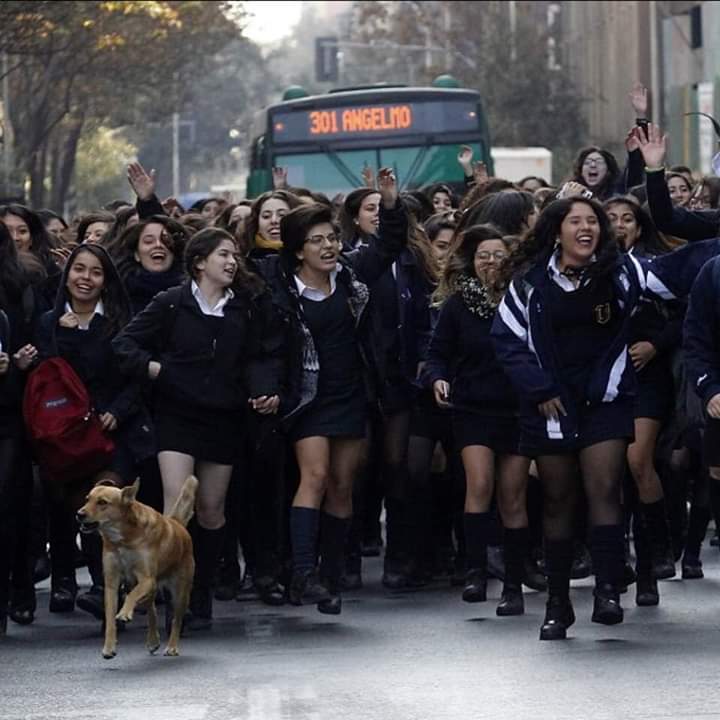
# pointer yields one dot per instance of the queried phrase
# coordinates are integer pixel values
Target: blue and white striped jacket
(524, 342)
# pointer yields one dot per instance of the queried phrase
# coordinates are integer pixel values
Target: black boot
(305, 586)
(559, 614)
(333, 535)
(395, 566)
(62, 594)
(516, 549)
(93, 600)
(207, 546)
(646, 589)
(476, 527)
(607, 546)
(697, 527)
(663, 561)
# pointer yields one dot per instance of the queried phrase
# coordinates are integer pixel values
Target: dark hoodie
(89, 352)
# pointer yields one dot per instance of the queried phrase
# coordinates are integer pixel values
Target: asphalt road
(422, 655)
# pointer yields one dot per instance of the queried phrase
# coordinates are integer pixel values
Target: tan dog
(146, 549)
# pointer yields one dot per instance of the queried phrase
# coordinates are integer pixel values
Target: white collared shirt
(99, 310)
(562, 281)
(313, 293)
(217, 310)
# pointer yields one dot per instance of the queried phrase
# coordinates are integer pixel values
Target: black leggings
(602, 468)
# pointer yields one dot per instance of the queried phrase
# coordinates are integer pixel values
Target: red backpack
(67, 435)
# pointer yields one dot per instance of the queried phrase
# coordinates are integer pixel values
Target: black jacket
(462, 353)
(678, 221)
(358, 269)
(199, 369)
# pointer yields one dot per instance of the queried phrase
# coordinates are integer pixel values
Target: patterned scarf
(476, 297)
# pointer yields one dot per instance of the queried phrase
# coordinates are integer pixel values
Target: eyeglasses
(318, 240)
(594, 161)
(485, 255)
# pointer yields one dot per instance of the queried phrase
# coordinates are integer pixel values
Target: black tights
(602, 467)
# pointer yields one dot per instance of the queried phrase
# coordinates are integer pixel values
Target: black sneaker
(475, 590)
(606, 606)
(305, 588)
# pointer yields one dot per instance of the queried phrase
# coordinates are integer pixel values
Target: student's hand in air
(713, 407)
(108, 422)
(279, 176)
(387, 185)
(265, 405)
(464, 159)
(441, 390)
(4, 363)
(480, 172)
(552, 409)
(368, 176)
(639, 100)
(653, 147)
(642, 353)
(142, 182)
(25, 357)
(631, 140)
(154, 368)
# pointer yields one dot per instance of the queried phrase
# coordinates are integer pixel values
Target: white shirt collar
(563, 281)
(313, 293)
(217, 310)
(99, 310)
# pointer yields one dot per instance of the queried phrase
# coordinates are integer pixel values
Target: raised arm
(143, 184)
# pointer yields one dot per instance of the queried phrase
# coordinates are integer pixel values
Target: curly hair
(602, 190)
(539, 243)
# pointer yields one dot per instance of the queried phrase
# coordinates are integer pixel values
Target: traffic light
(326, 59)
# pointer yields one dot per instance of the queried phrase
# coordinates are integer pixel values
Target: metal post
(176, 154)
(7, 149)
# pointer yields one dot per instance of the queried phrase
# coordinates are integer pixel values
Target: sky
(271, 21)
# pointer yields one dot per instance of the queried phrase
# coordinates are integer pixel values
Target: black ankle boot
(305, 588)
(22, 606)
(606, 606)
(62, 595)
(333, 537)
(207, 547)
(559, 616)
(511, 602)
(663, 559)
(475, 586)
(646, 591)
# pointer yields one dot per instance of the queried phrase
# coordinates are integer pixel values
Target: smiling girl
(562, 333)
(207, 347)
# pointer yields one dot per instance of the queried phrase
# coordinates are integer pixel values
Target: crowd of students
(515, 375)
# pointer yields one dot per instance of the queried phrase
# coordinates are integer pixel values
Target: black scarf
(475, 296)
(143, 285)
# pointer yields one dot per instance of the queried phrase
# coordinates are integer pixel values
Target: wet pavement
(423, 655)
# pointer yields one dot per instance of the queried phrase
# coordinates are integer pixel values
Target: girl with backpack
(211, 350)
(90, 309)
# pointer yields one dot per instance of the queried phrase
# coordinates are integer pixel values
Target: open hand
(653, 147)
(464, 159)
(368, 176)
(279, 176)
(142, 182)
(639, 99)
(25, 357)
(265, 405)
(387, 185)
(552, 409)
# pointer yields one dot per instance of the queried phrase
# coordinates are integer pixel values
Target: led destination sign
(373, 120)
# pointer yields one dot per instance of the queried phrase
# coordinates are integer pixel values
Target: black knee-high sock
(477, 528)
(607, 547)
(657, 524)
(516, 550)
(697, 527)
(92, 548)
(558, 561)
(207, 546)
(303, 536)
(333, 534)
(643, 551)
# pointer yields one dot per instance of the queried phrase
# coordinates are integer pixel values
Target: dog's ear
(129, 493)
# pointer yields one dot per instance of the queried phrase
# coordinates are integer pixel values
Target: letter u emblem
(602, 314)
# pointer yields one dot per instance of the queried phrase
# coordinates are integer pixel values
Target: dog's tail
(184, 506)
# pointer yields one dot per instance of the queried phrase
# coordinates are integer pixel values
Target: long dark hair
(101, 216)
(602, 190)
(294, 227)
(507, 210)
(253, 222)
(349, 212)
(13, 279)
(539, 243)
(649, 240)
(41, 241)
(204, 243)
(125, 247)
(115, 300)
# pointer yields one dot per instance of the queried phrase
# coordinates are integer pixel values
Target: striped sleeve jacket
(524, 343)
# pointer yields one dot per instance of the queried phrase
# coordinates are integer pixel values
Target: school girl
(561, 333)
(207, 346)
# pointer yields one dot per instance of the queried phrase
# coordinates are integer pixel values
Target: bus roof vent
(295, 92)
(445, 81)
(376, 86)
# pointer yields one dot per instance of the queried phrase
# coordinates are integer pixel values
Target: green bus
(324, 141)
